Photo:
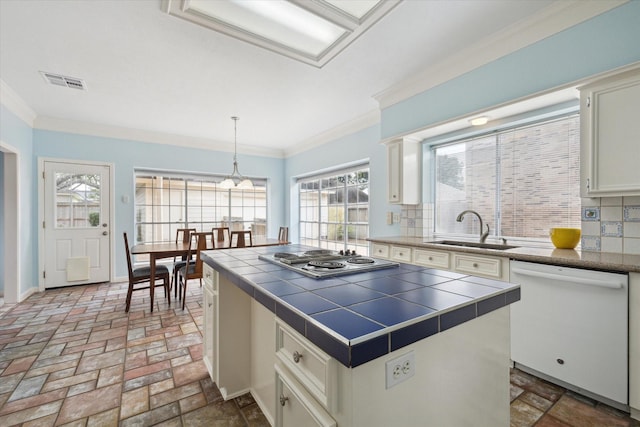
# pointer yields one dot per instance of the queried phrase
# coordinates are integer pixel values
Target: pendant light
(230, 180)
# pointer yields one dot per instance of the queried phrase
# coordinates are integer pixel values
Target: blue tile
(333, 347)
(290, 317)
(456, 317)
(312, 284)
(421, 278)
(403, 268)
(490, 304)
(433, 298)
(348, 294)
(467, 289)
(369, 350)
(488, 282)
(261, 277)
(265, 300)
(286, 274)
(346, 323)
(267, 266)
(413, 333)
(281, 288)
(309, 303)
(368, 275)
(389, 285)
(513, 296)
(444, 273)
(243, 284)
(390, 311)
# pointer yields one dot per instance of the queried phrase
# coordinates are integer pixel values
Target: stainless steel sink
(499, 247)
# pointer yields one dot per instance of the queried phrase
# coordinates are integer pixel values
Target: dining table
(159, 250)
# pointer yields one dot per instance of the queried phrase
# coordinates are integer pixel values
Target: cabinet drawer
(379, 251)
(401, 253)
(491, 267)
(433, 259)
(315, 369)
(210, 277)
(295, 407)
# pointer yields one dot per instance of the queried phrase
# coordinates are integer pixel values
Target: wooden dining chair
(193, 267)
(221, 234)
(142, 275)
(241, 238)
(182, 235)
(283, 234)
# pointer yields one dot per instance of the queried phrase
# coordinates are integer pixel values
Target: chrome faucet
(483, 236)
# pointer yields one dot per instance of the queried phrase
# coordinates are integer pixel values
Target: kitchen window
(334, 210)
(165, 202)
(522, 181)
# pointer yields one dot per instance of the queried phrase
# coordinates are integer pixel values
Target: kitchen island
(398, 346)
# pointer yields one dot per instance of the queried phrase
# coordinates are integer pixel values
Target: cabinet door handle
(283, 399)
(297, 356)
(210, 304)
(560, 361)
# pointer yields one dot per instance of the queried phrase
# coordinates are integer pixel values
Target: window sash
(334, 209)
(522, 180)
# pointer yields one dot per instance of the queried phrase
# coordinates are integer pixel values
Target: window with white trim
(334, 210)
(522, 181)
(165, 202)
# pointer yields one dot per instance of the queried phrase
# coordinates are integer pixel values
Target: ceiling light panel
(311, 31)
(277, 20)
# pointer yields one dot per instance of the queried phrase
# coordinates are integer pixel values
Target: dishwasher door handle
(566, 278)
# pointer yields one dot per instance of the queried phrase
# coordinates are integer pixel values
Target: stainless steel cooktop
(322, 263)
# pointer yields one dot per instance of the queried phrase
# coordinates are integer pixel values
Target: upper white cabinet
(404, 171)
(610, 136)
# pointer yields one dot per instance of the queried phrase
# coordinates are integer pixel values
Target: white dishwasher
(571, 325)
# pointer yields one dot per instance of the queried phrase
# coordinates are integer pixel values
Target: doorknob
(104, 233)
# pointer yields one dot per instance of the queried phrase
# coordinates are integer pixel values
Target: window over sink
(522, 180)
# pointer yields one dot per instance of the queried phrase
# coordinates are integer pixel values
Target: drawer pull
(560, 361)
(401, 254)
(475, 265)
(430, 258)
(297, 356)
(283, 400)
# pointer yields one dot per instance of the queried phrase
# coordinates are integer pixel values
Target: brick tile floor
(73, 357)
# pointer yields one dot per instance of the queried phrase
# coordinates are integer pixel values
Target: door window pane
(77, 200)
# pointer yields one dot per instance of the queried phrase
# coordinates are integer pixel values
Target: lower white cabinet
(210, 321)
(461, 262)
(295, 406)
(634, 344)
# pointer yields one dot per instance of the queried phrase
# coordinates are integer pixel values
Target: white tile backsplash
(610, 224)
(611, 213)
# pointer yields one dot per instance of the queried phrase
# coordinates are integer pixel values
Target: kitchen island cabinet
(615, 262)
(327, 365)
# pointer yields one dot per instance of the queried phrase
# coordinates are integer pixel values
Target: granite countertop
(358, 317)
(607, 261)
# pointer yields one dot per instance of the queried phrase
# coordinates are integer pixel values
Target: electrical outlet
(389, 218)
(396, 218)
(400, 369)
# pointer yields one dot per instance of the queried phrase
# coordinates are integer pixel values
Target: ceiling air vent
(60, 80)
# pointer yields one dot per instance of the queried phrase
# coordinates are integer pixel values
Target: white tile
(611, 244)
(611, 228)
(611, 201)
(590, 228)
(631, 229)
(632, 246)
(590, 202)
(611, 213)
(631, 200)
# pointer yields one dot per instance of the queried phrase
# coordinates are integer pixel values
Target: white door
(76, 224)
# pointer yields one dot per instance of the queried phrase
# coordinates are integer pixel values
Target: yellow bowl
(564, 238)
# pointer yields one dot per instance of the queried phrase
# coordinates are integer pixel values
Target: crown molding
(347, 128)
(15, 104)
(557, 17)
(107, 131)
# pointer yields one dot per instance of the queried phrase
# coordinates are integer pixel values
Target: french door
(76, 223)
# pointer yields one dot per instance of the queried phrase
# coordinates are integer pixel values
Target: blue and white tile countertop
(358, 317)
